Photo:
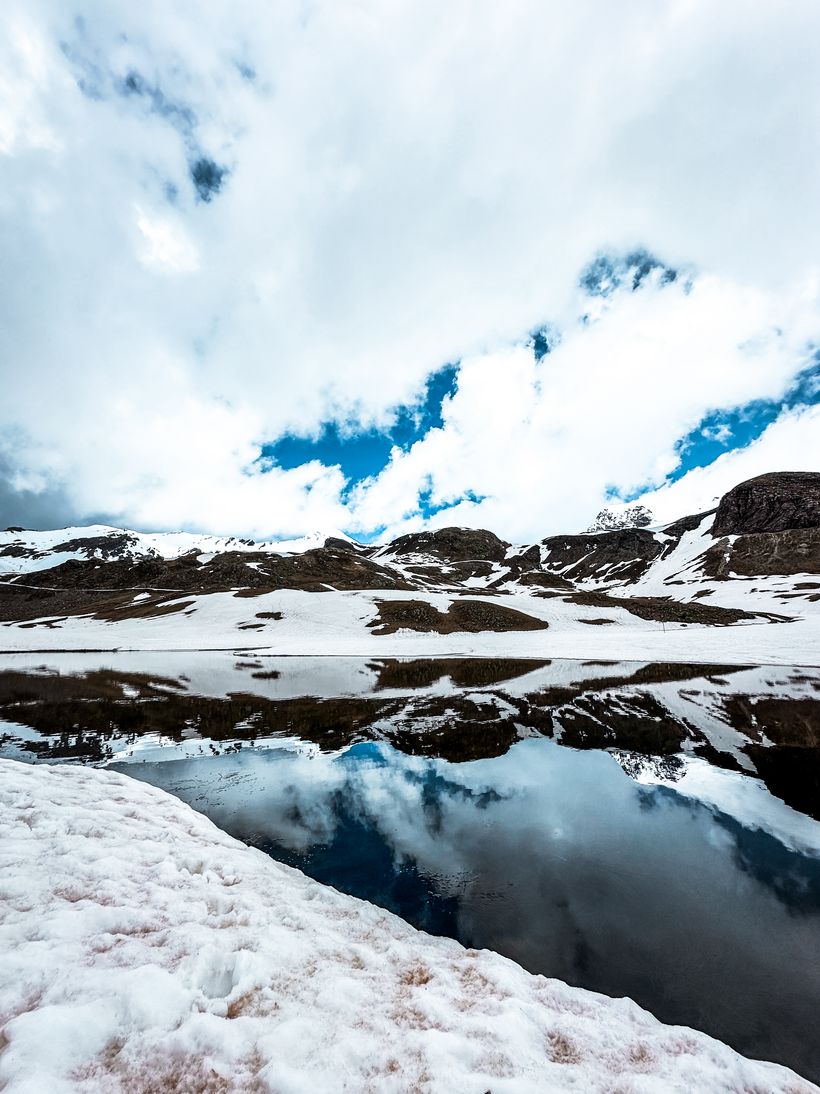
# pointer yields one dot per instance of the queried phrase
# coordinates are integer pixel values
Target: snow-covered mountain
(756, 559)
(24, 551)
(608, 520)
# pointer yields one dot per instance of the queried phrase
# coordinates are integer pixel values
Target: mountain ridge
(114, 586)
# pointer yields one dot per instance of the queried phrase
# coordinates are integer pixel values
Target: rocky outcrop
(453, 545)
(637, 516)
(795, 551)
(775, 502)
(113, 545)
(623, 554)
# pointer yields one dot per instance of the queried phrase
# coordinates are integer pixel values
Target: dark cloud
(208, 177)
(27, 509)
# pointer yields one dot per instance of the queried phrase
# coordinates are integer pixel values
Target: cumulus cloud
(791, 443)
(220, 224)
(543, 441)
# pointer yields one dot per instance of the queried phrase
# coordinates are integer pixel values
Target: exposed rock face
(687, 524)
(629, 550)
(453, 544)
(333, 543)
(112, 545)
(796, 551)
(770, 503)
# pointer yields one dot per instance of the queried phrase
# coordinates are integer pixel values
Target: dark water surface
(647, 860)
(558, 859)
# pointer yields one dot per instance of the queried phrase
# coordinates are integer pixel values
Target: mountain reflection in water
(639, 829)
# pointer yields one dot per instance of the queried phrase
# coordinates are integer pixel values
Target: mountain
(776, 502)
(756, 559)
(23, 551)
(637, 516)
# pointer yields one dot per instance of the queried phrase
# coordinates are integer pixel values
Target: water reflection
(98, 708)
(708, 915)
(445, 790)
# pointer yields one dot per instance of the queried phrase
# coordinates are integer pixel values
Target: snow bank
(338, 623)
(146, 950)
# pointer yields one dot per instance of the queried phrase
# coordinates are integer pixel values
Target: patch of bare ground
(53, 605)
(660, 610)
(561, 1049)
(154, 608)
(168, 1072)
(471, 616)
(542, 580)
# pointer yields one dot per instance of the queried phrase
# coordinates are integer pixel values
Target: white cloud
(407, 186)
(543, 441)
(165, 244)
(721, 433)
(22, 82)
(790, 443)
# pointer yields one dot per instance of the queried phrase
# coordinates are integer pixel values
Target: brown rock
(770, 503)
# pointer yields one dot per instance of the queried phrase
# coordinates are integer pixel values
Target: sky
(276, 268)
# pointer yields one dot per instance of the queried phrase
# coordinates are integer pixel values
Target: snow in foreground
(146, 950)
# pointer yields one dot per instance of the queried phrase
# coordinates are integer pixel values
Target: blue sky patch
(363, 454)
(427, 508)
(607, 272)
(736, 427)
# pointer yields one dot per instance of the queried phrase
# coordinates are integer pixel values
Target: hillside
(734, 576)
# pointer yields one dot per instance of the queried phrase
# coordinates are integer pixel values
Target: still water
(558, 859)
(651, 862)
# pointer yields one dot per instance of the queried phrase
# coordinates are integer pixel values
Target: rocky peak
(608, 520)
(453, 544)
(774, 502)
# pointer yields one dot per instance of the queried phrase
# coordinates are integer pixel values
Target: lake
(646, 830)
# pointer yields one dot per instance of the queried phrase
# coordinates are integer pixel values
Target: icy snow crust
(147, 950)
